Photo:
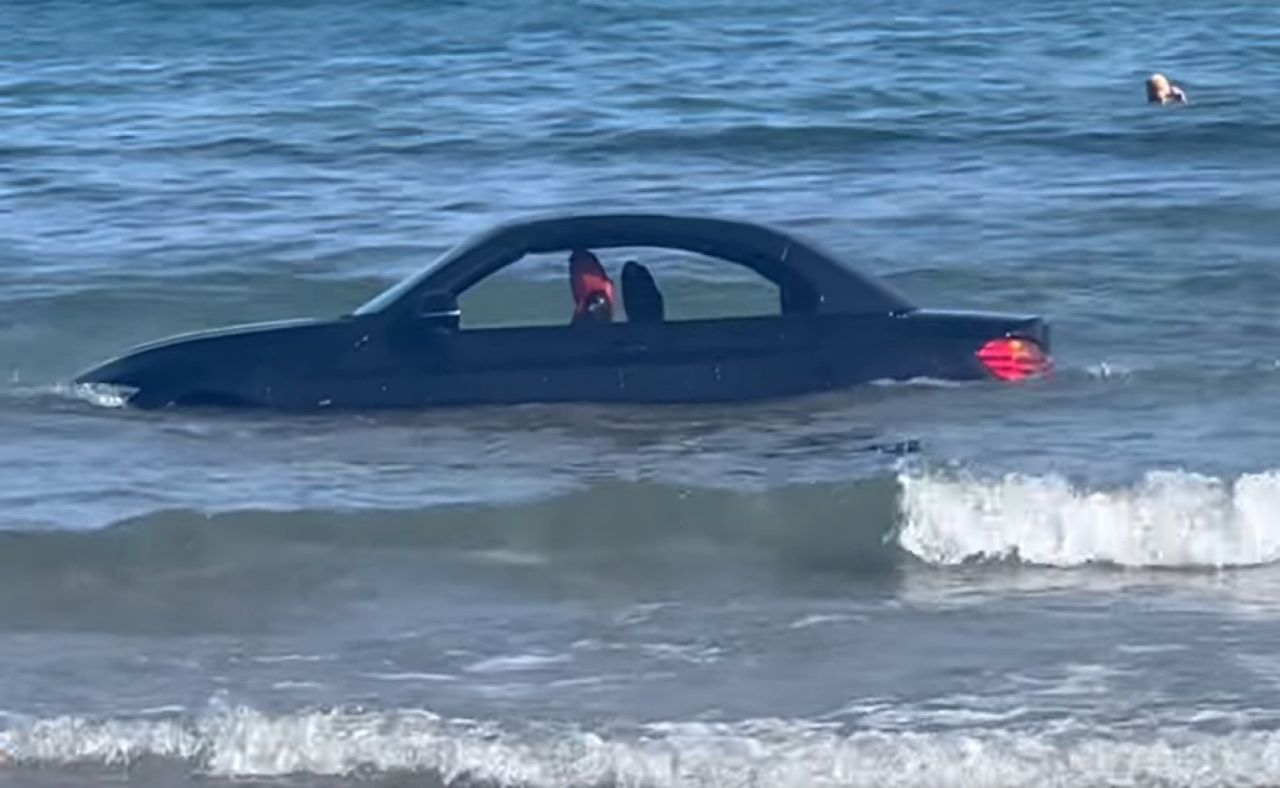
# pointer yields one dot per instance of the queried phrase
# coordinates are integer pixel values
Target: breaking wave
(1169, 519)
(241, 742)
(920, 518)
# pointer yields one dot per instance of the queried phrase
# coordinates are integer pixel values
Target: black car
(833, 327)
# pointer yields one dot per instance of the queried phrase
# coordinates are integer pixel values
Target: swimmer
(1161, 91)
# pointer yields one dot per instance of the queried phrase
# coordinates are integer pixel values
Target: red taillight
(1011, 358)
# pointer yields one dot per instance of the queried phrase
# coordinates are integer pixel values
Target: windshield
(397, 291)
(392, 294)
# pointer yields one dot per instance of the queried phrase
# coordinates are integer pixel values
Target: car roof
(777, 255)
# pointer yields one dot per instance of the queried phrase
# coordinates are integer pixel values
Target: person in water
(593, 300)
(1161, 91)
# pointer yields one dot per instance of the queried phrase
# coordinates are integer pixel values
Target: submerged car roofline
(771, 252)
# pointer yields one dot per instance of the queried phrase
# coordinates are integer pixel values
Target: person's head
(591, 286)
(583, 268)
(1160, 91)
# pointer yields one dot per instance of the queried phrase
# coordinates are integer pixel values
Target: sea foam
(243, 742)
(1168, 519)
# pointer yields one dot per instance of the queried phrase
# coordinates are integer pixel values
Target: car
(833, 327)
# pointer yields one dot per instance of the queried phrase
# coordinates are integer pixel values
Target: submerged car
(407, 348)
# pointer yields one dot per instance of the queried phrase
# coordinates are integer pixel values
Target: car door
(423, 362)
(429, 364)
(719, 360)
(524, 364)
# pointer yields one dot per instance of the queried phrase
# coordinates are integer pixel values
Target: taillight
(1012, 358)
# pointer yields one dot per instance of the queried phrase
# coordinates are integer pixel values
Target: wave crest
(1169, 519)
(243, 742)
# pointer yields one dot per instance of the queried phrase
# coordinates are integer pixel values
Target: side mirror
(439, 308)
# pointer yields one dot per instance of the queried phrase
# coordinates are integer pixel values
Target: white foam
(683, 652)
(242, 742)
(511, 558)
(825, 618)
(412, 677)
(1105, 370)
(273, 659)
(103, 395)
(1170, 519)
(921, 382)
(517, 662)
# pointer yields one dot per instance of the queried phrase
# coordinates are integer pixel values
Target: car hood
(191, 352)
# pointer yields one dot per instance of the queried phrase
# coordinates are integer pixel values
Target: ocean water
(1071, 583)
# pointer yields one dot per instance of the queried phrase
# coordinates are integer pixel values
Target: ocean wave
(748, 138)
(235, 565)
(241, 742)
(914, 519)
(1169, 519)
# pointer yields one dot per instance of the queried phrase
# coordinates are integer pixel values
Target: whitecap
(1169, 519)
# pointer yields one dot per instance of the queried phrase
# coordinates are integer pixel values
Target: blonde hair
(1158, 88)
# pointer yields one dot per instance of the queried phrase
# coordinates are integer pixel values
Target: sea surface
(1069, 583)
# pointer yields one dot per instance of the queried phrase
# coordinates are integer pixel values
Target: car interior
(669, 286)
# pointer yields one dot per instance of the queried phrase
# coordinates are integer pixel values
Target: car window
(534, 291)
(696, 287)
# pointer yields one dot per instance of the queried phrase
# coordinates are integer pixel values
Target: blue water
(1070, 583)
